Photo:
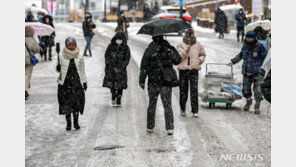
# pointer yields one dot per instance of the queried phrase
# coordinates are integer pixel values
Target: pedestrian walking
(253, 53)
(72, 82)
(193, 55)
(157, 63)
(221, 22)
(48, 40)
(32, 48)
(262, 37)
(117, 58)
(240, 18)
(147, 13)
(88, 25)
(122, 25)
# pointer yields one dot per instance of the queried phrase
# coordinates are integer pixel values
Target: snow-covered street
(196, 141)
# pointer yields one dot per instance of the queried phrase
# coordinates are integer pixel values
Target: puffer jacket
(251, 65)
(196, 55)
(64, 62)
(158, 57)
(31, 44)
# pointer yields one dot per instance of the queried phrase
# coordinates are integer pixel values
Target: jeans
(189, 77)
(166, 96)
(88, 42)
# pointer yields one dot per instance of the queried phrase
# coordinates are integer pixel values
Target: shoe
(183, 113)
(170, 132)
(237, 39)
(49, 58)
(90, 53)
(257, 106)
(195, 115)
(149, 130)
(84, 54)
(118, 102)
(248, 104)
(113, 102)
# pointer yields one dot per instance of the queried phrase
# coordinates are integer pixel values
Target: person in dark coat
(71, 82)
(48, 40)
(88, 25)
(146, 12)
(253, 53)
(266, 87)
(157, 63)
(117, 58)
(240, 18)
(221, 22)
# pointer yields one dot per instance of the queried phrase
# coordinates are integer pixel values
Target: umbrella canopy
(267, 62)
(163, 26)
(265, 24)
(40, 29)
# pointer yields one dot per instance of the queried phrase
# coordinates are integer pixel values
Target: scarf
(70, 54)
(188, 41)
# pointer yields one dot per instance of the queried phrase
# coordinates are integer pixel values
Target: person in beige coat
(33, 49)
(193, 55)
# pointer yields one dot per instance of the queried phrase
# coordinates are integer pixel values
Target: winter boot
(76, 125)
(49, 54)
(26, 95)
(118, 101)
(248, 104)
(257, 106)
(84, 54)
(183, 113)
(68, 119)
(45, 57)
(90, 53)
(170, 132)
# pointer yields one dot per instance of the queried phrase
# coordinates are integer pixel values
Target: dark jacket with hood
(160, 56)
(251, 65)
(220, 20)
(88, 25)
(240, 22)
(48, 40)
(117, 58)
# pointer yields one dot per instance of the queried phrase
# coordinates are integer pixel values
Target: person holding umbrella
(48, 40)
(88, 25)
(117, 58)
(72, 82)
(193, 55)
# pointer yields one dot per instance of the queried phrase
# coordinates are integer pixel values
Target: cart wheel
(214, 104)
(210, 104)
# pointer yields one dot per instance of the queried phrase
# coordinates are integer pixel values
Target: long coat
(117, 58)
(221, 21)
(251, 65)
(158, 57)
(48, 40)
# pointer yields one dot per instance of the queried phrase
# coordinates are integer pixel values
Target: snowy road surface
(203, 141)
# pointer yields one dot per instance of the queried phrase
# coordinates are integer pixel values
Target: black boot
(84, 54)
(118, 101)
(26, 95)
(68, 119)
(90, 53)
(49, 54)
(76, 125)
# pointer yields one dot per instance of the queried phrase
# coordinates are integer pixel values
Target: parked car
(172, 12)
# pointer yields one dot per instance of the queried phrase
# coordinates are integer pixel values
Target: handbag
(33, 59)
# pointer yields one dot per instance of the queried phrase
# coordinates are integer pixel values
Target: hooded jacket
(251, 65)
(117, 58)
(240, 22)
(31, 44)
(196, 55)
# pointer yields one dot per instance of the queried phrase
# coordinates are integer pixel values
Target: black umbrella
(163, 26)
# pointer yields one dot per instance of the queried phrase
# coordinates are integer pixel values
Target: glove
(58, 68)
(230, 63)
(85, 86)
(142, 86)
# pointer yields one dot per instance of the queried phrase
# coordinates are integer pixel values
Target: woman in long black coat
(71, 83)
(221, 22)
(117, 58)
(48, 40)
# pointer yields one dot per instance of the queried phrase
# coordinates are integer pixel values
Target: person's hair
(261, 34)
